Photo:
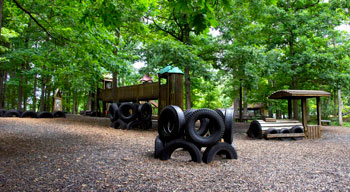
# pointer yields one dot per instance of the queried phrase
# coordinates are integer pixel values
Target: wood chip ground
(85, 154)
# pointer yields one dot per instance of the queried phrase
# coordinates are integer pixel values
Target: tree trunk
(115, 86)
(188, 88)
(1, 11)
(240, 101)
(74, 102)
(340, 107)
(20, 89)
(335, 109)
(236, 105)
(245, 103)
(47, 98)
(3, 79)
(42, 97)
(34, 93)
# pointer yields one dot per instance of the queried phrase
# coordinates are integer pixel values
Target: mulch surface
(84, 154)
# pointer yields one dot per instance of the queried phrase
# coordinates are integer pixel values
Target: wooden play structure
(258, 128)
(168, 90)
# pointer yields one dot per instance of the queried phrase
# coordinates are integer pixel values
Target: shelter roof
(298, 94)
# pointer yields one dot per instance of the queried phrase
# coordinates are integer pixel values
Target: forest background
(222, 46)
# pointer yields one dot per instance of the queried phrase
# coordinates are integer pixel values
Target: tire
(158, 147)
(113, 112)
(297, 129)
(147, 124)
(270, 131)
(136, 124)
(203, 129)
(220, 148)
(127, 112)
(45, 114)
(215, 125)
(255, 130)
(31, 114)
(222, 113)
(229, 121)
(170, 147)
(12, 112)
(2, 112)
(284, 130)
(58, 114)
(118, 124)
(170, 123)
(145, 112)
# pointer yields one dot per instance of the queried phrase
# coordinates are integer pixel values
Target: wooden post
(318, 111)
(290, 109)
(303, 109)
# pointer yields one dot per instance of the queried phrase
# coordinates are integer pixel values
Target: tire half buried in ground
(45, 114)
(229, 120)
(158, 147)
(12, 113)
(31, 114)
(170, 147)
(57, 114)
(297, 129)
(270, 131)
(220, 148)
(127, 112)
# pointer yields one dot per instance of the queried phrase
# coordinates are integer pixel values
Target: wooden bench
(326, 122)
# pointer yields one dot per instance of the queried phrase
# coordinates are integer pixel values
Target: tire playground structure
(31, 114)
(280, 129)
(130, 115)
(193, 130)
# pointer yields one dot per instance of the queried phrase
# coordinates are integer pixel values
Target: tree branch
(307, 6)
(164, 30)
(32, 17)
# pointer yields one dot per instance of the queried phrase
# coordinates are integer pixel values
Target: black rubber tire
(297, 129)
(12, 112)
(118, 124)
(178, 144)
(31, 114)
(147, 124)
(216, 127)
(158, 147)
(255, 130)
(58, 114)
(170, 123)
(188, 112)
(220, 148)
(136, 124)
(2, 112)
(222, 113)
(270, 131)
(113, 113)
(229, 122)
(145, 112)
(127, 112)
(45, 114)
(284, 130)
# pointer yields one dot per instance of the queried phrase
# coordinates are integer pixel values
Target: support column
(290, 109)
(303, 109)
(318, 111)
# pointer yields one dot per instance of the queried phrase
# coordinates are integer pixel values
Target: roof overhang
(298, 94)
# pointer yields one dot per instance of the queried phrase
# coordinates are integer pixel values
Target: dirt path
(83, 153)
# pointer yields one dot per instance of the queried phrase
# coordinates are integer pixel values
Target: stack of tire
(193, 130)
(30, 114)
(130, 115)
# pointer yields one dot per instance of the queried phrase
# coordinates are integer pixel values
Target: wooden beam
(304, 114)
(318, 111)
(290, 109)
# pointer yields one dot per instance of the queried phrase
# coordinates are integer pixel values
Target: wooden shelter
(313, 131)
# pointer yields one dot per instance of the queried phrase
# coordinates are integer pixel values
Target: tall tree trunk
(240, 101)
(245, 103)
(188, 88)
(20, 89)
(340, 107)
(236, 106)
(1, 11)
(335, 101)
(42, 97)
(115, 86)
(74, 102)
(47, 98)
(3, 79)
(34, 93)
